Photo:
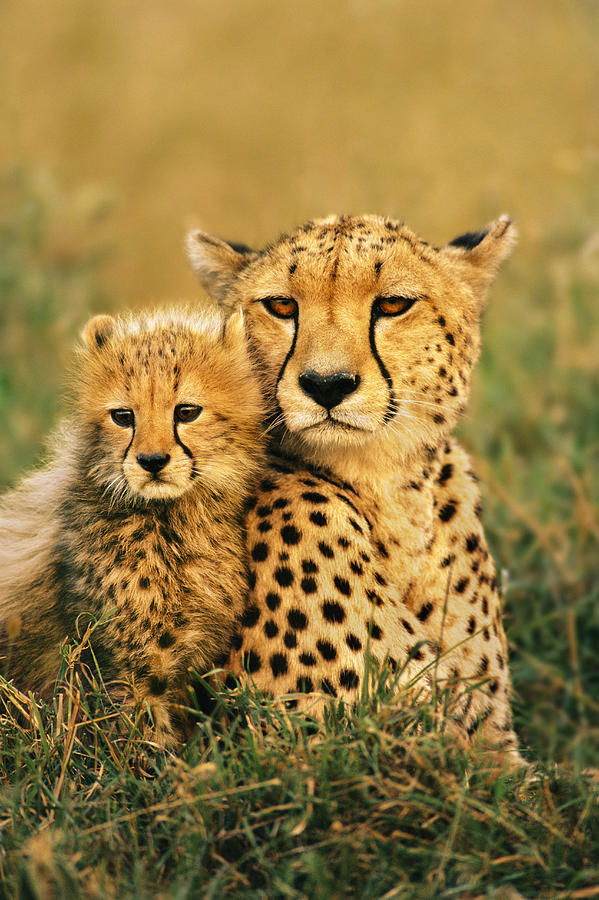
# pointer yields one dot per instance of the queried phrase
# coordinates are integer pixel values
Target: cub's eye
(187, 412)
(123, 417)
(393, 306)
(282, 307)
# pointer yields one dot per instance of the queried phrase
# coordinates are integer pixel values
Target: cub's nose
(153, 462)
(328, 390)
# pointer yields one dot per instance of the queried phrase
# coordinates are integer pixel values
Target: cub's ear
(216, 263)
(480, 253)
(97, 331)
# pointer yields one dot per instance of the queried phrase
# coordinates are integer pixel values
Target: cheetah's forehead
(359, 237)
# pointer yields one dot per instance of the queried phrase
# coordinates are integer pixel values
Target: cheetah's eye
(187, 412)
(123, 417)
(393, 306)
(281, 307)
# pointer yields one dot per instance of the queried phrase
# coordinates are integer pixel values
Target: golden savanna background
(125, 123)
(248, 117)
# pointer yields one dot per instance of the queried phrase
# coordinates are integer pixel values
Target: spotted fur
(95, 533)
(365, 536)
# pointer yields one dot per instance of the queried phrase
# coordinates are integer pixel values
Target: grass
(382, 804)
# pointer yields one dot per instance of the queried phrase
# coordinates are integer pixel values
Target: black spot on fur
(260, 552)
(284, 576)
(297, 619)
(271, 629)
(326, 650)
(165, 640)
(374, 631)
(356, 568)
(461, 585)
(144, 583)
(326, 550)
(342, 585)
(314, 497)
(267, 485)
(472, 543)
(407, 626)
(373, 597)
(356, 526)
(333, 611)
(157, 685)
(353, 642)
(309, 585)
(280, 503)
(290, 535)
(250, 616)
(445, 473)
(264, 511)
(450, 338)
(447, 511)
(309, 567)
(348, 679)
(278, 664)
(471, 625)
(290, 640)
(304, 684)
(307, 659)
(264, 526)
(424, 611)
(273, 601)
(251, 661)
(318, 518)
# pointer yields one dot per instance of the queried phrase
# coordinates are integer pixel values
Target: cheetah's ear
(97, 331)
(480, 253)
(216, 263)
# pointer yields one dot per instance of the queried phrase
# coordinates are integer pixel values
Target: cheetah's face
(169, 404)
(364, 333)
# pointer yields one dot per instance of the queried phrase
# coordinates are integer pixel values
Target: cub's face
(363, 332)
(168, 402)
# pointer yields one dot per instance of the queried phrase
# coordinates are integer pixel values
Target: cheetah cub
(139, 510)
(365, 535)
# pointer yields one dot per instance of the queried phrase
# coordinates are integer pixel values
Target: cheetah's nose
(153, 462)
(328, 390)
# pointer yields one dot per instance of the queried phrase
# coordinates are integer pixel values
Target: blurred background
(125, 123)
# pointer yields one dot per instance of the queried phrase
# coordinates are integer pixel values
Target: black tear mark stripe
(290, 353)
(185, 449)
(390, 411)
(129, 444)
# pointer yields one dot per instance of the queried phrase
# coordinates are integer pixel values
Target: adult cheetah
(366, 531)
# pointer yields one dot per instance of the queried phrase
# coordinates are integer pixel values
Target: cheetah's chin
(333, 432)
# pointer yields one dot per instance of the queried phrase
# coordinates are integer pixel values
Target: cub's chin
(158, 490)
